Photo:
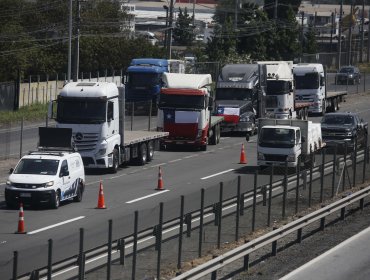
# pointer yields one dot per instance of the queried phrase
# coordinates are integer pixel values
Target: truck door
(66, 180)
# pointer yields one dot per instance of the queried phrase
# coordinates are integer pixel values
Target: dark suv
(348, 75)
(343, 127)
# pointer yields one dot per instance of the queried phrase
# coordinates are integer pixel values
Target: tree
(309, 43)
(183, 32)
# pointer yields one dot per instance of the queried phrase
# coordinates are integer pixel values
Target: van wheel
(55, 201)
(150, 151)
(143, 154)
(114, 168)
(78, 197)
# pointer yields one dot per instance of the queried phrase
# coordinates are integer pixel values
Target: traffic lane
(97, 221)
(348, 260)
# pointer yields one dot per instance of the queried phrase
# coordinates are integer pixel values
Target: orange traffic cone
(243, 158)
(101, 203)
(160, 181)
(21, 220)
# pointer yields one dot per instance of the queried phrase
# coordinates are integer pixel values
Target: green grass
(36, 112)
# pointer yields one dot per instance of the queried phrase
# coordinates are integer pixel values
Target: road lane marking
(56, 225)
(160, 164)
(214, 175)
(147, 196)
(175, 160)
(191, 156)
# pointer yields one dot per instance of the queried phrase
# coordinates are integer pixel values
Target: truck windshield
(181, 101)
(308, 81)
(276, 138)
(144, 79)
(234, 94)
(37, 166)
(277, 87)
(84, 111)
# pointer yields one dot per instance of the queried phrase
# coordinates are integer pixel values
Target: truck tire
(55, 200)
(114, 168)
(323, 106)
(213, 138)
(143, 154)
(150, 151)
(218, 133)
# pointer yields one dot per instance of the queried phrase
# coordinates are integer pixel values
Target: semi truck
(184, 111)
(240, 92)
(286, 142)
(95, 113)
(280, 95)
(310, 83)
(144, 77)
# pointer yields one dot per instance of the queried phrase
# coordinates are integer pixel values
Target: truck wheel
(323, 106)
(143, 154)
(78, 197)
(114, 168)
(55, 200)
(150, 154)
(218, 133)
(213, 138)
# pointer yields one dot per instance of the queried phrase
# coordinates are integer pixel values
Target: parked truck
(95, 113)
(310, 83)
(280, 95)
(240, 93)
(287, 142)
(144, 77)
(184, 111)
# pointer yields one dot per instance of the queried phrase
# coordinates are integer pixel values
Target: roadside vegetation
(35, 112)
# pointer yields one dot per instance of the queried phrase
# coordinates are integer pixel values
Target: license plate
(25, 195)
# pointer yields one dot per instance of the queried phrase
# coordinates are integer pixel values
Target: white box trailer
(284, 142)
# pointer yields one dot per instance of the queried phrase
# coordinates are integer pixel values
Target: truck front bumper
(237, 127)
(181, 142)
(276, 163)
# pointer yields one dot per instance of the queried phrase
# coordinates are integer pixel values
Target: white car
(46, 177)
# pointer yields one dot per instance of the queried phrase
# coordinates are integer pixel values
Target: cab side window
(64, 169)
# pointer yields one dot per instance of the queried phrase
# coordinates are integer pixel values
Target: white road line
(214, 175)
(175, 160)
(56, 225)
(144, 197)
(191, 156)
(160, 164)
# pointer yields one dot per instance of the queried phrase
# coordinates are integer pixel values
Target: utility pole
(77, 41)
(236, 15)
(362, 31)
(69, 42)
(169, 36)
(166, 26)
(350, 36)
(332, 31)
(368, 45)
(275, 9)
(302, 35)
(340, 34)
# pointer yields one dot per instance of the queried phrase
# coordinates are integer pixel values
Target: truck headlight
(260, 156)
(199, 134)
(101, 152)
(290, 157)
(349, 133)
(244, 119)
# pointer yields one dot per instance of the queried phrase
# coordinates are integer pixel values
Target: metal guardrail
(272, 237)
(96, 258)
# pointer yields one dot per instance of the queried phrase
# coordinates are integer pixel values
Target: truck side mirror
(303, 139)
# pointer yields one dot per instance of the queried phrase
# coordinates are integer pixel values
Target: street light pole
(77, 42)
(169, 37)
(69, 42)
(165, 30)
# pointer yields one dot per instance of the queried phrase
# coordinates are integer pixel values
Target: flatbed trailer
(214, 132)
(333, 100)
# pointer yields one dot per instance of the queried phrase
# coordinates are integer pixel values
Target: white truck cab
(49, 175)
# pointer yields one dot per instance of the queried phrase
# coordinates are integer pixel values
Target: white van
(46, 177)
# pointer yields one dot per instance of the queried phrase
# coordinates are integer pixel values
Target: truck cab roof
(278, 70)
(90, 90)
(186, 81)
(304, 68)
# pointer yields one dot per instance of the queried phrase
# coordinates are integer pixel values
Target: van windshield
(37, 166)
